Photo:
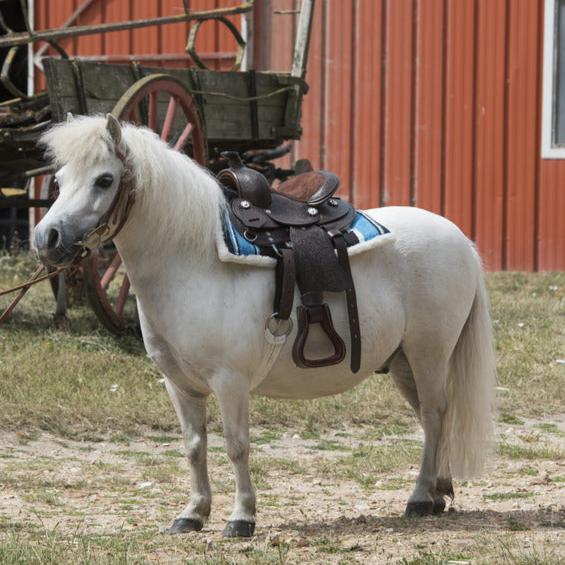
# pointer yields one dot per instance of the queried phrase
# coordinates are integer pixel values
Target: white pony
(421, 294)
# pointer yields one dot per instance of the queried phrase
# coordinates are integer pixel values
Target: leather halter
(113, 220)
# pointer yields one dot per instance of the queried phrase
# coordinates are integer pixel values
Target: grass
(507, 495)
(50, 547)
(367, 463)
(528, 312)
(66, 383)
(514, 451)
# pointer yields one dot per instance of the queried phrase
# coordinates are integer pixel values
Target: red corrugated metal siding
(429, 111)
(431, 102)
(489, 132)
(283, 29)
(367, 96)
(313, 106)
(442, 99)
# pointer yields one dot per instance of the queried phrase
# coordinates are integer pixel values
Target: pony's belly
(310, 383)
(286, 380)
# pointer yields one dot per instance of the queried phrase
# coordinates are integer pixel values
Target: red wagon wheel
(163, 104)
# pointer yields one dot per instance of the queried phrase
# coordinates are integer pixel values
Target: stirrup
(317, 314)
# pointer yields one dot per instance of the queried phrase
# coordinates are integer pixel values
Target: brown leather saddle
(304, 226)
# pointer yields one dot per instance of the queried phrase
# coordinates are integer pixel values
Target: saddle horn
(251, 185)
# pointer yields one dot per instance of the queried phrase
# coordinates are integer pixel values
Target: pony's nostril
(53, 239)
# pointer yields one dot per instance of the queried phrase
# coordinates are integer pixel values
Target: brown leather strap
(352, 311)
(284, 286)
(114, 219)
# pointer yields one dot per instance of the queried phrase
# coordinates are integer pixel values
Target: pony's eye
(104, 181)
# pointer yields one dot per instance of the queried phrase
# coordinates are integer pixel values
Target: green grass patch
(515, 451)
(366, 464)
(528, 471)
(506, 418)
(328, 445)
(550, 429)
(139, 547)
(432, 558)
(507, 495)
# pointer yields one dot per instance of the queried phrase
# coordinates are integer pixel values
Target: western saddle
(304, 226)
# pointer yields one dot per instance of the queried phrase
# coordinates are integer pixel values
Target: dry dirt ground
(337, 498)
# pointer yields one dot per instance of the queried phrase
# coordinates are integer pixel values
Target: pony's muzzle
(55, 246)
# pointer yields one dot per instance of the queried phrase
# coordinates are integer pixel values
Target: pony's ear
(114, 128)
(70, 118)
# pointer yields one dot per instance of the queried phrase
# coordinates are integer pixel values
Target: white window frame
(548, 149)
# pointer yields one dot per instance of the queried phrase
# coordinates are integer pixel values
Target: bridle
(108, 227)
(114, 219)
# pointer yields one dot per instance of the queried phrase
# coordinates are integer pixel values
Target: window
(553, 126)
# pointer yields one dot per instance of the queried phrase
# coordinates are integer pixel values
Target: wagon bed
(239, 110)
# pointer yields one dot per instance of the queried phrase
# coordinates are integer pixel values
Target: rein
(23, 288)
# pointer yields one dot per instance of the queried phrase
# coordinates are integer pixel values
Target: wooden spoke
(124, 291)
(111, 271)
(184, 136)
(152, 111)
(135, 114)
(169, 118)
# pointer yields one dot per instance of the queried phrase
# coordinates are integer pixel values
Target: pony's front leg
(191, 412)
(232, 392)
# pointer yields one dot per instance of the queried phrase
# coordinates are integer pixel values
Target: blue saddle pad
(363, 228)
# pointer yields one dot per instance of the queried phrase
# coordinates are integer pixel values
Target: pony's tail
(467, 431)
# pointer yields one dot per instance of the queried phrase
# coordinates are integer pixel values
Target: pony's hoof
(419, 509)
(439, 506)
(239, 529)
(184, 525)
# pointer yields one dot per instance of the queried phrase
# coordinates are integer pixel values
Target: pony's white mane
(176, 197)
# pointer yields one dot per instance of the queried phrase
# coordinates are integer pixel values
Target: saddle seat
(304, 226)
(310, 187)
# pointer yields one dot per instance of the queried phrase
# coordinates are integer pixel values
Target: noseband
(111, 223)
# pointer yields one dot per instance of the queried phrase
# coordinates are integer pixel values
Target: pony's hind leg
(430, 377)
(403, 377)
(191, 412)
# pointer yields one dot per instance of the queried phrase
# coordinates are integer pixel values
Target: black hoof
(184, 525)
(239, 529)
(439, 506)
(419, 509)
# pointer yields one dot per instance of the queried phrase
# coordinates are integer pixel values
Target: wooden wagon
(199, 111)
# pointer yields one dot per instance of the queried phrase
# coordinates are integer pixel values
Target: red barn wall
(437, 103)
(434, 103)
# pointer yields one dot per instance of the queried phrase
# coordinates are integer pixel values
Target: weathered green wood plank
(226, 118)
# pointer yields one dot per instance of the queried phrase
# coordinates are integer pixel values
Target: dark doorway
(14, 222)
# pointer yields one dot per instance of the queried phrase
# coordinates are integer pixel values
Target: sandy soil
(109, 486)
